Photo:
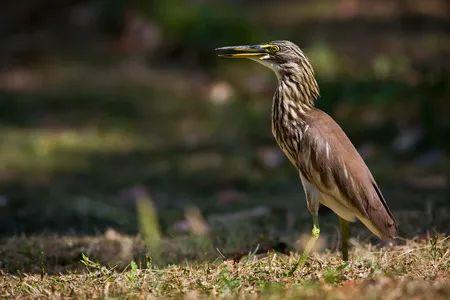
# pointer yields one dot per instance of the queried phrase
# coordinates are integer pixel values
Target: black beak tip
(223, 51)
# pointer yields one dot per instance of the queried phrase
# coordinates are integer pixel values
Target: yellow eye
(273, 48)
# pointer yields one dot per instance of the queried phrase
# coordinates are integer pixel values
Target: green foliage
(200, 26)
(85, 260)
(334, 275)
(149, 226)
(227, 283)
(132, 274)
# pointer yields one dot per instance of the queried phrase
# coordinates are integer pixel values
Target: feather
(338, 171)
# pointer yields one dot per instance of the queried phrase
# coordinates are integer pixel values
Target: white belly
(316, 197)
(342, 211)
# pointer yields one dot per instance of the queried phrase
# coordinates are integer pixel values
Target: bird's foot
(309, 246)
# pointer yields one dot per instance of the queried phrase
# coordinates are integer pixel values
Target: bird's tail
(380, 220)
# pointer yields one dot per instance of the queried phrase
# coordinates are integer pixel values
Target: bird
(331, 170)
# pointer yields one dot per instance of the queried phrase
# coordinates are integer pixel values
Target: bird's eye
(273, 49)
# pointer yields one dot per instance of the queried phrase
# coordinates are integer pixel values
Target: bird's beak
(248, 51)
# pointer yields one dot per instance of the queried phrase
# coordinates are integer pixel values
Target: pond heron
(330, 169)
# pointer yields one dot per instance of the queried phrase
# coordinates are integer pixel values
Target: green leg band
(309, 246)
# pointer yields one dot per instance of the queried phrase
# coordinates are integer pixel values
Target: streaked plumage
(331, 170)
(334, 174)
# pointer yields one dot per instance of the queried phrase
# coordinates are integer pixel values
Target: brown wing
(338, 170)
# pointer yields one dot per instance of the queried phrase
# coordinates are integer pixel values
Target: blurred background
(101, 100)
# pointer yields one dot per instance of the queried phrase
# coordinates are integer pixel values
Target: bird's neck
(297, 85)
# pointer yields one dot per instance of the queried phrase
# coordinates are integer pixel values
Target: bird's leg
(344, 226)
(309, 245)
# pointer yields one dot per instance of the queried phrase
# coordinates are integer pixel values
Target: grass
(75, 170)
(71, 163)
(417, 268)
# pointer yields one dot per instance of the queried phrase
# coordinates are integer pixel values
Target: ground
(58, 267)
(73, 172)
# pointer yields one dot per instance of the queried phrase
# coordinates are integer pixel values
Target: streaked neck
(297, 84)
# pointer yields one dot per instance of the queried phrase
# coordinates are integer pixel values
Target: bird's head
(293, 69)
(281, 56)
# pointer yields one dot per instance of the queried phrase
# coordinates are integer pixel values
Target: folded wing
(332, 164)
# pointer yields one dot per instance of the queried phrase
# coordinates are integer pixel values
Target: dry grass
(418, 268)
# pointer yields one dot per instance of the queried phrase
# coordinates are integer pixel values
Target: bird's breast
(288, 134)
